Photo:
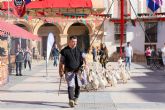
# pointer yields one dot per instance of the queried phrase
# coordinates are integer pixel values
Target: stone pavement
(34, 91)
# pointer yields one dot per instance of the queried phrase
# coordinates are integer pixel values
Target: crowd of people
(153, 56)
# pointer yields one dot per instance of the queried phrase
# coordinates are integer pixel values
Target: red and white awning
(16, 31)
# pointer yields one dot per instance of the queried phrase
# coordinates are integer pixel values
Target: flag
(50, 43)
(19, 8)
(153, 5)
(27, 1)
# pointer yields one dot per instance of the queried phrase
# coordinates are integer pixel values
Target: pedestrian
(148, 55)
(33, 51)
(72, 59)
(27, 57)
(44, 54)
(103, 55)
(163, 54)
(153, 56)
(128, 55)
(18, 60)
(55, 53)
(94, 53)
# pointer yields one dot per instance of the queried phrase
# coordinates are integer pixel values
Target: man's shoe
(71, 103)
(20, 74)
(75, 101)
(17, 75)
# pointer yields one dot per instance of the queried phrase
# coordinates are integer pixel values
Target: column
(63, 40)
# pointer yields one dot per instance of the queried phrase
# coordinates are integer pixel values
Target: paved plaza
(35, 91)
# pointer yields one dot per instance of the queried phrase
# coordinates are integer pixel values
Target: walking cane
(59, 86)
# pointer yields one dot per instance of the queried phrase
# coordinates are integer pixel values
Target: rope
(101, 24)
(140, 22)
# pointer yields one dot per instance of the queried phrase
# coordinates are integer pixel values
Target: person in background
(148, 55)
(44, 54)
(103, 55)
(27, 57)
(94, 53)
(55, 53)
(160, 57)
(128, 55)
(71, 61)
(163, 54)
(18, 60)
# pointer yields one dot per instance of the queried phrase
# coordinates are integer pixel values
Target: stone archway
(24, 24)
(43, 32)
(82, 31)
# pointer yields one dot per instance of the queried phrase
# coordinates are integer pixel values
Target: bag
(83, 77)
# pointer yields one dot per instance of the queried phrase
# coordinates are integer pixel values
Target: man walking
(128, 54)
(70, 62)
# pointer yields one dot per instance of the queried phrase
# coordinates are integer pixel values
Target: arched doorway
(43, 32)
(81, 30)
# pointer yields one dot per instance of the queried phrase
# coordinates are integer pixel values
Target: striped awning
(15, 31)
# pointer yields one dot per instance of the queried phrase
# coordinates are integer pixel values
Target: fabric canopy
(16, 31)
(56, 4)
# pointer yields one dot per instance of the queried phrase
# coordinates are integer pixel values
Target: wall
(135, 35)
(161, 34)
(109, 37)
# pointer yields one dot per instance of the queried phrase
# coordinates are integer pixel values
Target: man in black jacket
(70, 62)
(18, 60)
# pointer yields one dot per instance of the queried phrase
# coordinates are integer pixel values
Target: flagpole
(121, 27)
(8, 9)
(46, 67)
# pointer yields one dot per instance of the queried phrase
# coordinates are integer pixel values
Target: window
(118, 49)
(151, 31)
(117, 33)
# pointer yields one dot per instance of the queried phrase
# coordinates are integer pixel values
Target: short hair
(72, 37)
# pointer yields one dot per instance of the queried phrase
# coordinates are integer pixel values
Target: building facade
(142, 27)
(62, 22)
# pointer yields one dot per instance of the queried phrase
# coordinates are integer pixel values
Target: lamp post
(9, 54)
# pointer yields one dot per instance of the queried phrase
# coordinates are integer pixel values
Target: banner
(19, 8)
(50, 43)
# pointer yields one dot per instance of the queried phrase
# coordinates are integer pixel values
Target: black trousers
(18, 67)
(74, 92)
(29, 63)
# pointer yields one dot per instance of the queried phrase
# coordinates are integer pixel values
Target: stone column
(63, 40)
